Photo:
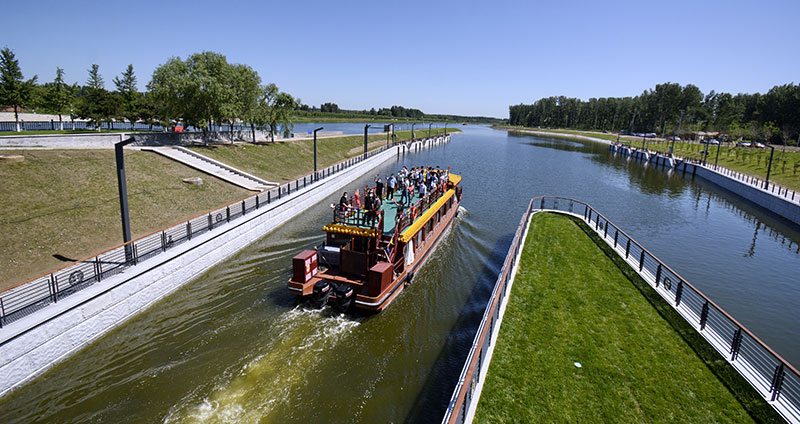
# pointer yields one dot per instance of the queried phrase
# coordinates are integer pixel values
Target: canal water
(233, 346)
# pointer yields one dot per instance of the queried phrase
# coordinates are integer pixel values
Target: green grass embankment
(65, 202)
(573, 303)
(286, 160)
(785, 165)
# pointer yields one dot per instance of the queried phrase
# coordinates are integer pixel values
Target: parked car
(743, 144)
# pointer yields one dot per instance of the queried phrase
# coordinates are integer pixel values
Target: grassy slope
(785, 166)
(571, 303)
(287, 160)
(65, 202)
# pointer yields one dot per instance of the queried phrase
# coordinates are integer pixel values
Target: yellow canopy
(350, 231)
(412, 229)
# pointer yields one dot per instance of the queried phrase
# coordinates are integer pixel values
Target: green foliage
(14, 90)
(659, 110)
(59, 97)
(97, 105)
(128, 99)
(203, 89)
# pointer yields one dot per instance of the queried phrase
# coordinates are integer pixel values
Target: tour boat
(369, 257)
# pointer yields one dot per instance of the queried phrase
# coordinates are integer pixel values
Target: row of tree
(333, 108)
(773, 117)
(198, 91)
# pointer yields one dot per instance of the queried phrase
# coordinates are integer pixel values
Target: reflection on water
(233, 346)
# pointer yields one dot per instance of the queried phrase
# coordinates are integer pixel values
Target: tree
(96, 105)
(14, 90)
(59, 97)
(197, 91)
(275, 110)
(129, 99)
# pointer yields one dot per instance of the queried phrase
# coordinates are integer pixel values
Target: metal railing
(463, 395)
(33, 295)
(755, 182)
(777, 381)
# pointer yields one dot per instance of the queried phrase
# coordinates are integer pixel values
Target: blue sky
(469, 58)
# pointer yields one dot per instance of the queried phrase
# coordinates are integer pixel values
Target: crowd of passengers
(419, 180)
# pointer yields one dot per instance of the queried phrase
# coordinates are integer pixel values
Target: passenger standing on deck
(392, 185)
(404, 194)
(378, 186)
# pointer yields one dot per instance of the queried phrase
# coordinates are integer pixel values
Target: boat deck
(389, 209)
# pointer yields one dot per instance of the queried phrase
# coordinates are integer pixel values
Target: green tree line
(773, 117)
(200, 91)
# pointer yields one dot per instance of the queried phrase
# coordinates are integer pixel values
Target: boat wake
(266, 381)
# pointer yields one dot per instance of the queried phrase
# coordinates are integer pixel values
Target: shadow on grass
(748, 397)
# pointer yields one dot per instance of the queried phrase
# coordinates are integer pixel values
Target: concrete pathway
(213, 167)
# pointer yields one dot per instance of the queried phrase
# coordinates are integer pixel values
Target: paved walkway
(213, 167)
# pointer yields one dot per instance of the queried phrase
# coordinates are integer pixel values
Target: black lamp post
(365, 140)
(315, 149)
(766, 182)
(123, 197)
(677, 132)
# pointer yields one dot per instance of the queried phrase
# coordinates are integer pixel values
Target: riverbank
(85, 309)
(58, 206)
(599, 346)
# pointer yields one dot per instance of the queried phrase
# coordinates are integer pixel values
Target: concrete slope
(213, 167)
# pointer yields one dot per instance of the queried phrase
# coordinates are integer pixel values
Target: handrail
(27, 297)
(774, 378)
(750, 180)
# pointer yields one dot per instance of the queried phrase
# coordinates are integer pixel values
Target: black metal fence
(29, 297)
(70, 125)
(464, 394)
(774, 378)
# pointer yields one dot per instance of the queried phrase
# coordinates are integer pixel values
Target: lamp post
(315, 150)
(677, 131)
(365, 140)
(123, 196)
(766, 182)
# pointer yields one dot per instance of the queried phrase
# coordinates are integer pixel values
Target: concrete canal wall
(33, 344)
(777, 204)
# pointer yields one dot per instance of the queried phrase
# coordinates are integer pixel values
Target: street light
(766, 182)
(123, 197)
(677, 132)
(365, 140)
(315, 149)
